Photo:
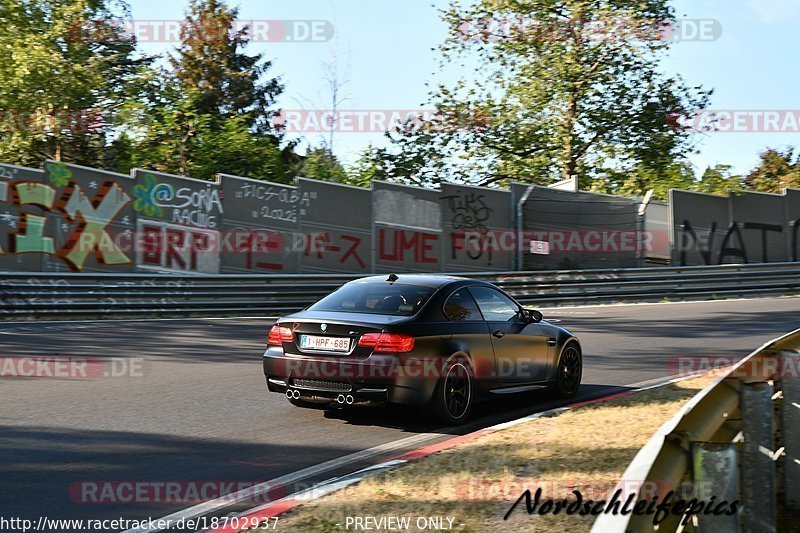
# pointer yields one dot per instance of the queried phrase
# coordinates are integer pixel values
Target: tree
(211, 113)
(719, 180)
(564, 88)
(677, 175)
(369, 166)
(66, 67)
(775, 171)
(320, 164)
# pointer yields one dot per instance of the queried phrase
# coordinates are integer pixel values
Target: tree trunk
(570, 164)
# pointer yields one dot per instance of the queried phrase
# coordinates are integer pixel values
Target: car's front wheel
(452, 401)
(569, 371)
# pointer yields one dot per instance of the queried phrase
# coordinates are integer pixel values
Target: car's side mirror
(532, 316)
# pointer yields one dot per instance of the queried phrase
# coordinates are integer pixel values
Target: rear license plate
(328, 344)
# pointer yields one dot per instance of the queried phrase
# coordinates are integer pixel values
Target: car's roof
(428, 280)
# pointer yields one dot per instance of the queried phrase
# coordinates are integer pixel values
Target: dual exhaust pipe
(342, 399)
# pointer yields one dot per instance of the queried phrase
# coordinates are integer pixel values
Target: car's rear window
(377, 298)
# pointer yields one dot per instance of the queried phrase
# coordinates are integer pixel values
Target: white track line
(225, 501)
(332, 485)
(251, 492)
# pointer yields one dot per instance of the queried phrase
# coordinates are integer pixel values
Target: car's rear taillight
(278, 335)
(387, 342)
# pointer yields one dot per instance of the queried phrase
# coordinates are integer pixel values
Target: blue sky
(384, 50)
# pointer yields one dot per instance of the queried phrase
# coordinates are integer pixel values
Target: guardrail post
(758, 466)
(790, 416)
(716, 473)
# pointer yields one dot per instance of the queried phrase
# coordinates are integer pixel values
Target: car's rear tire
(453, 398)
(569, 371)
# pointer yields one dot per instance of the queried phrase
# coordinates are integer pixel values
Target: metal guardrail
(42, 295)
(738, 439)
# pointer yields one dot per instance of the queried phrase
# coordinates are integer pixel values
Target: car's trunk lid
(312, 329)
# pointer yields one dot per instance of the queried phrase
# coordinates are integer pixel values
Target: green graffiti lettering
(30, 236)
(34, 193)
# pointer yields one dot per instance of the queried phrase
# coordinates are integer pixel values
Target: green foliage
(719, 180)
(557, 88)
(210, 113)
(776, 171)
(369, 166)
(320, 164)
(553, 98)
(677, 175)
(66, 68)
(224, 81)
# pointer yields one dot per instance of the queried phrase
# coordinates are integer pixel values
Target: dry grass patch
(476, 483)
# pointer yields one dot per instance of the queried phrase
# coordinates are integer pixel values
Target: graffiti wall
(67, 218)
(478, 231)
(261, 227)
(76, 219)
(407, 228)
(335, 227)
(745, 228)
(16, 206)
(178, 223)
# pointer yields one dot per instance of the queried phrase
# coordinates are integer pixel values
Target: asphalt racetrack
(190, 403)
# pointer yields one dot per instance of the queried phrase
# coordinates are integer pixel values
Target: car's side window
(461, 307)
(495, 306)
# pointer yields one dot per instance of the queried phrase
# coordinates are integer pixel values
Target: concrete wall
(72, 218)
(335, 223)
(179, 221)
(477, 226)
(657, 228)
(793, 216)
(746, 228)
(261, 229)
(19, 188)
(581, 230)
(407, 228)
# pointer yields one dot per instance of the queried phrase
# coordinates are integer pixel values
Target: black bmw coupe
(439, 342)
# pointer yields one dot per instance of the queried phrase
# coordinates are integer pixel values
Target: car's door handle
(551, 341)
(499, 334)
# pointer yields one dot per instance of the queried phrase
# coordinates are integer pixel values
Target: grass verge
(476, 483)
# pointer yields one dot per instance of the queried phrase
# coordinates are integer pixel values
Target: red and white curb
(278, 507)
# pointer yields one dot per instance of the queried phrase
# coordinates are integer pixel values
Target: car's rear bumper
(321, 392)
(386, 378)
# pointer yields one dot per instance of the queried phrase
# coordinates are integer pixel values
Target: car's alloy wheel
(453, 398)
(570, 370)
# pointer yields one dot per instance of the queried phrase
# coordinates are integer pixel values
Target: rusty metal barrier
(738, 439)
(63, 295)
